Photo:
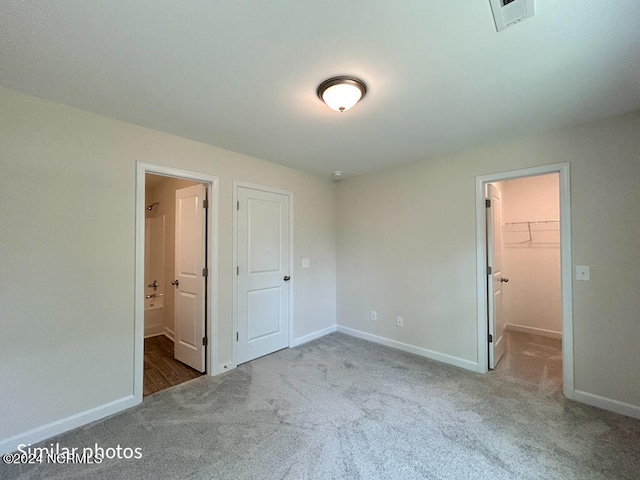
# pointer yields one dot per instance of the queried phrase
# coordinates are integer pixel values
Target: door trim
(212, 186)
(562, 169)
(237, 184)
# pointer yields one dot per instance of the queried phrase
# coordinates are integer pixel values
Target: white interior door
(495, 280)
(189, 282)
(263, 273)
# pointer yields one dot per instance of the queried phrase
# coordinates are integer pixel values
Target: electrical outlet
(400, 321)
(583, 273)
(374, 316)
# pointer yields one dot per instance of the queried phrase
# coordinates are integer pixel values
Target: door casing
(236, 185)
(212, 186)
(563, 170)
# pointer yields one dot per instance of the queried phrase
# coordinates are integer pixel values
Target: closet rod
(531, 221)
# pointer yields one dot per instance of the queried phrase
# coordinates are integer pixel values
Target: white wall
(67, 243)
(532, 297)
(154, 262)
(406, 246)
(154, 237)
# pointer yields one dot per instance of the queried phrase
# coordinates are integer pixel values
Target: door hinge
(490, 338)
(205, 203)
(487, 203)
(205, 272)
(205, 341)
(488, 270)
(238, 205)
(237, 337)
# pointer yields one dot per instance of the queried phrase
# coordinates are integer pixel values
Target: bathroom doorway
(176, 283)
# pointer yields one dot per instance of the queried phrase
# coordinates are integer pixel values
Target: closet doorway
(525, 327)
(524, 286)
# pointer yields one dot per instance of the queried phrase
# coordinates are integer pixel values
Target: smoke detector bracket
(507, 13)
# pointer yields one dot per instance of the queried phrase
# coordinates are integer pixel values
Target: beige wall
(532, 298)
(406, 246)
(67, 243)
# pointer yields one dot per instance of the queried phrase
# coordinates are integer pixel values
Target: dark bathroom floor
(161, 370)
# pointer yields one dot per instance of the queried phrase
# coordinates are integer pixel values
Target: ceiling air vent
(509, 12)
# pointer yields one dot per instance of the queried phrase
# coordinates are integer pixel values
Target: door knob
(175, 282)
(287, 278)
(504, 280)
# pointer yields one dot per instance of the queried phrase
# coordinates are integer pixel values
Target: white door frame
(255, 186)
(212, 186)
(565, 265)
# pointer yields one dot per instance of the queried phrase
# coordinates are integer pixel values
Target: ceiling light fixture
(342, 93)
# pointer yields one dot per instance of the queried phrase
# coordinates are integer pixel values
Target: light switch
(305, 263)
(583, 273)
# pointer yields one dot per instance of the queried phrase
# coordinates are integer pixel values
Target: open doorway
(208, 270)
(490, 280)
(523, 246)
(175, 250)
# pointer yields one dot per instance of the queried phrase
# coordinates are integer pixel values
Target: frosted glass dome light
(342, 93)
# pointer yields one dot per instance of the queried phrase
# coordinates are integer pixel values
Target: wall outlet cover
(583, 273)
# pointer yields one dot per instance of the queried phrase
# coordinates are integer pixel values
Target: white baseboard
(151, 335)
(605, 403)
(533, 330)
(227, 367)
(170, 334)
(313, 336)
(64, 425)
(423, 352)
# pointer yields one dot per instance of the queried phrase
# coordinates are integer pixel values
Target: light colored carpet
(342, 408)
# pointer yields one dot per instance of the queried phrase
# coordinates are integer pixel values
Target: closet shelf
(533, 232)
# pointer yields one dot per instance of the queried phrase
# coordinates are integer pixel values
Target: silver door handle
(287, 278)
(175, 282)
(504, 280)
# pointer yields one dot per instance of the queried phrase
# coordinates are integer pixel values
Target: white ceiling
(242, 74)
